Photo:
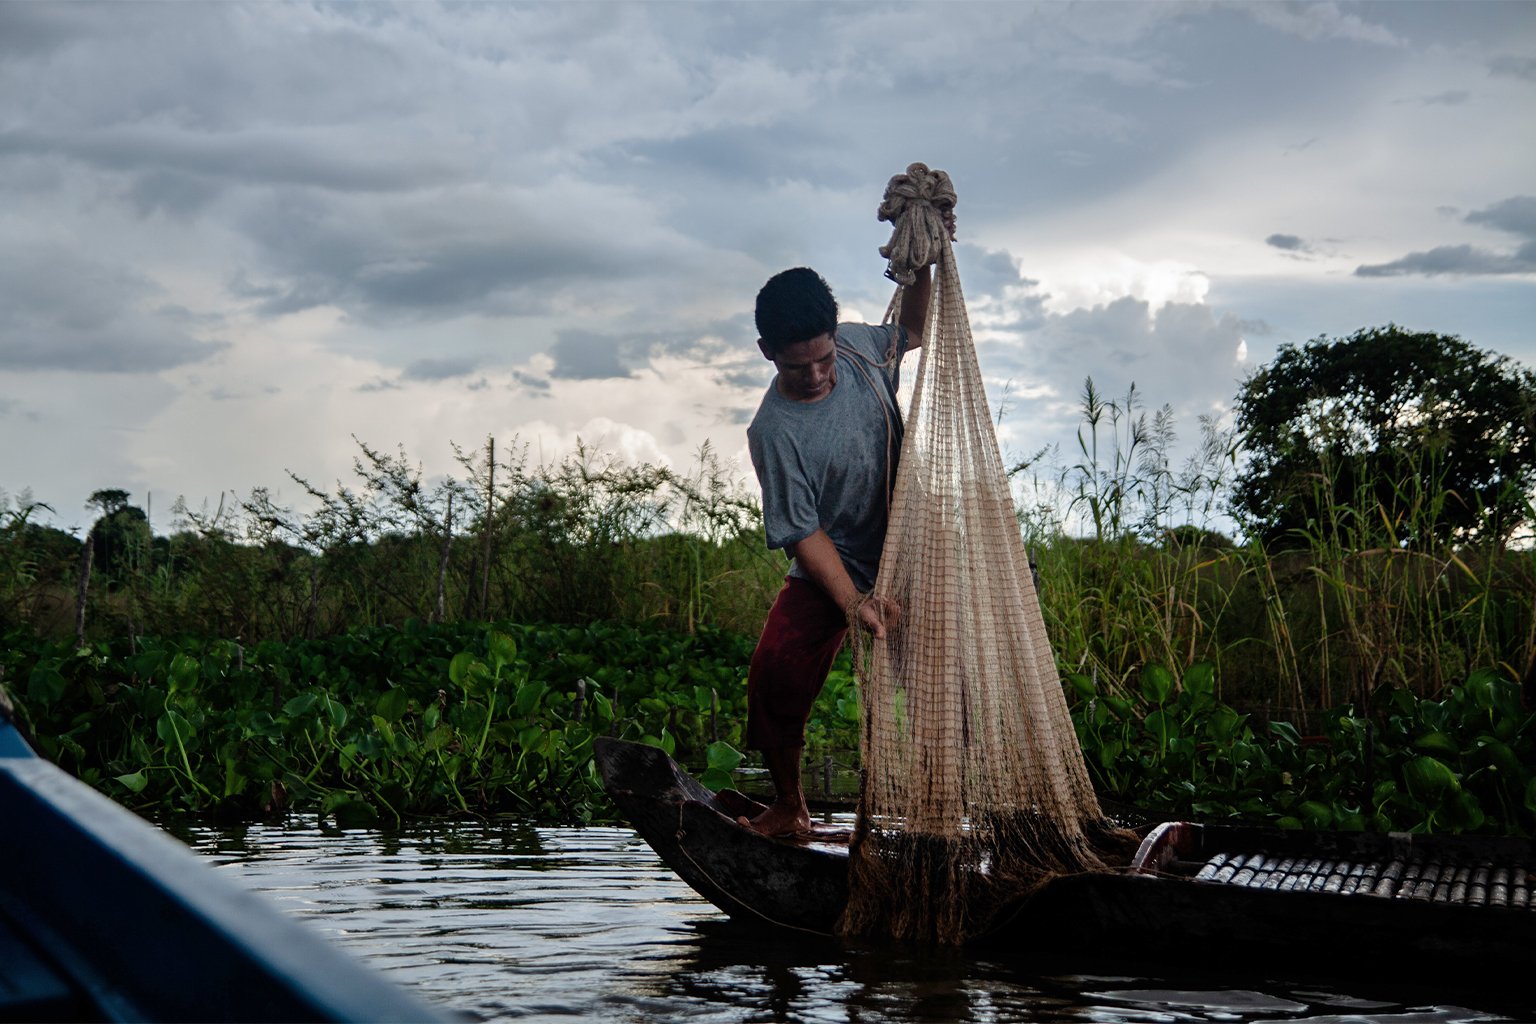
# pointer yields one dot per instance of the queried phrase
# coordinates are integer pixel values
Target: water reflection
(508, 922)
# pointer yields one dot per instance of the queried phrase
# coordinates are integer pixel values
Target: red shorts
(790, 665)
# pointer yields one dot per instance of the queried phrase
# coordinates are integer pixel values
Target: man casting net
(975, 790)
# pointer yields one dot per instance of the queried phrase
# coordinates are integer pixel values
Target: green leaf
(1349, 821)
(171, 725)
(1501, 756)
(1429, 780)
(1437, 743)
(1480, 687)
(1162, 723)
(458, 668)
(1466, 812)
(384, 728)
(234, 780)
(300, 706)
(723, 756)
(1156, 683)
(438, 738)
(260, 724)
(355, 813)
(392, 704)
(715, 779)
(1286, 732)
(1082, 684)
(501, 649)
(1120, 706)
(1200, 679)
(529, 695)
(1222, 725)
(478, 680)
(134, 781)
(1314, 814)
(183, 673)
(664, 741)
(45, 685)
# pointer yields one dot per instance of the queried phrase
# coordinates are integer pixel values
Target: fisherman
(824, 443)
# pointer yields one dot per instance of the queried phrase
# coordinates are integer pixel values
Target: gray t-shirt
(823, 464)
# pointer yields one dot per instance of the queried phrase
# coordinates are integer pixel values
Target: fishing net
(975, 790)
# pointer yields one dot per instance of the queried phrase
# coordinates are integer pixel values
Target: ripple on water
(508, 922)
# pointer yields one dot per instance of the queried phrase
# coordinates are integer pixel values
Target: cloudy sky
(234, 236)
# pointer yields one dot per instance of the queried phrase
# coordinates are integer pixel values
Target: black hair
(795, 305)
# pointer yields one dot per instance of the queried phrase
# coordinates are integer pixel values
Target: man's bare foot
(784, 817)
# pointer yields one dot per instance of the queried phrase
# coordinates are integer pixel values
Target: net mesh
(975, 789)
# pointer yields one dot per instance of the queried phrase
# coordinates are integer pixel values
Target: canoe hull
(1153, 914)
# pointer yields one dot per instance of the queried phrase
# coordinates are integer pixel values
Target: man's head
(795, 305)
(797, 329)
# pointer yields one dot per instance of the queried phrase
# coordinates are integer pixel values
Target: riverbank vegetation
(405, 646)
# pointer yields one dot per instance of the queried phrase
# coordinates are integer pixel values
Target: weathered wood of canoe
(1304, 904)
(792, 884)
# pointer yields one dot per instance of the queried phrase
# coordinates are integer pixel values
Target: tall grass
(1132, 573)
(1134, 569)
(585, 539)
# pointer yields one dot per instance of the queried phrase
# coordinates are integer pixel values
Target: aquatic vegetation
(1465, 762)
(379, 724)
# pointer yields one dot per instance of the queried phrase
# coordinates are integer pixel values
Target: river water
(508, 922)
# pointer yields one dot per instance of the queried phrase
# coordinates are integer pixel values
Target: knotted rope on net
(975, 790)
(916, 202)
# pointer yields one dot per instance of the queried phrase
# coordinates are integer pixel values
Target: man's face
(807, 369)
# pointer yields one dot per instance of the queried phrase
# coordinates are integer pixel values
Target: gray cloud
(1323, 21)
(987, 271)
(1516, 215)
(436, 186)
(584, 355)
(448, 253)
(1449, 98)
(1288, 243)
(35, 30)
(378, 384)
(1180, 353)
(527, 380)
(439, 369)
(340, 159)
(59, 311)
(1454, 259)
(1514, 67)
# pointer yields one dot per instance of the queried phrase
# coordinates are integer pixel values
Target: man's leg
(787, 814)
(804, 630)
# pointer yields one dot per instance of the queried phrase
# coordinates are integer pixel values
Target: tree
(1389, 434)
(121, 535)
(108, 501)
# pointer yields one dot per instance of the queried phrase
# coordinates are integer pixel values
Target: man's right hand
(878, 614)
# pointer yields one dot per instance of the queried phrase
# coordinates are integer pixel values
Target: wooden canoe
(1291, 904)
(105, 917)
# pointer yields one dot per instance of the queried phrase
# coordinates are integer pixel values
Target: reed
(1134, 569)
(1133, 573)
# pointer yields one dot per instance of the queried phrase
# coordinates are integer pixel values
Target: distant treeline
(1388, 545)
(584, 541)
